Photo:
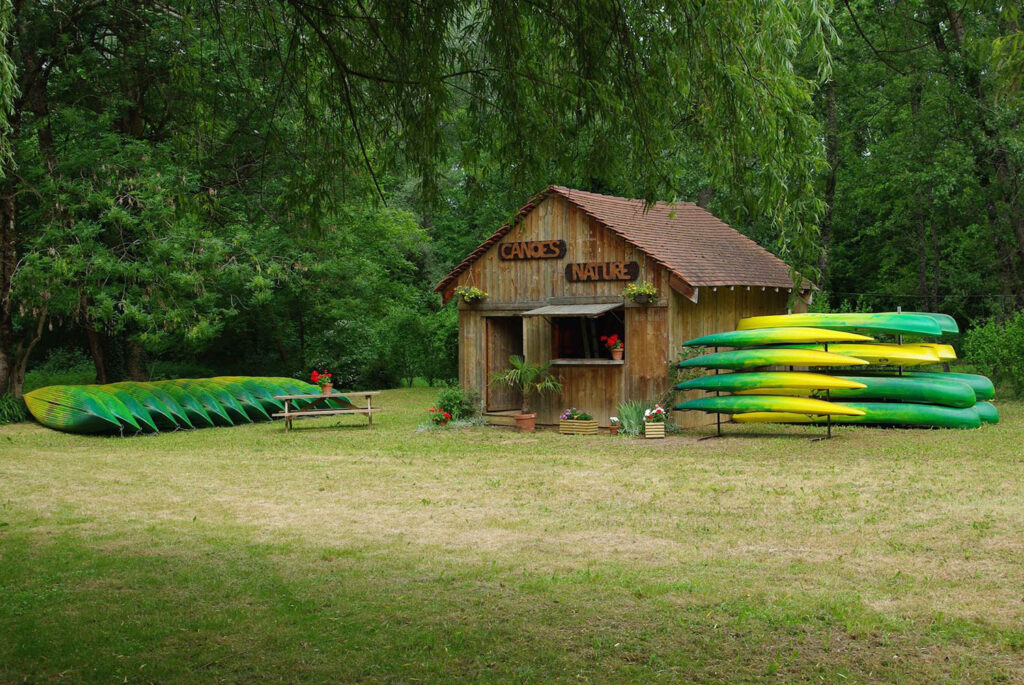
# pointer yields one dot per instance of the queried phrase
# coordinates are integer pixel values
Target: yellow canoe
(877, 353)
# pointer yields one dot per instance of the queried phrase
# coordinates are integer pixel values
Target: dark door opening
(504, 339)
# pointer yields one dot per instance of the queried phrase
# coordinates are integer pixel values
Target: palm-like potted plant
(532, 380)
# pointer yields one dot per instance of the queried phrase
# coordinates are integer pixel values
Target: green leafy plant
(575, 414)
(533, 380)
(996, 348)
(470, 293)
(12, 410)
(631, 417)
(636, 288)
(461, 403)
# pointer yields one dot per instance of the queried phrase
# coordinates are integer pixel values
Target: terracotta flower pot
(617, 354)
(613, 430)
(526, 422)
(326, 389)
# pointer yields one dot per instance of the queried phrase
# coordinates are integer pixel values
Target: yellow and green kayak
(757, 337)
(946, 322)
(983, 388)
(755, 358)
(879, 354)
(878, 414)
(735, 404)
(890, 389)
(759, 381)
(895, 324)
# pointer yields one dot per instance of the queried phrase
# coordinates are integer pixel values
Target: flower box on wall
(654, 430)
(577, 427)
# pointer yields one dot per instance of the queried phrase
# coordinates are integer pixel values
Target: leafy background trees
(241, 186)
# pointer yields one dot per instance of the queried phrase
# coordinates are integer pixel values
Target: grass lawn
(342, 553)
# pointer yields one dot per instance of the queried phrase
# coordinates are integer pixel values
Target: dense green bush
(631, 417)
(996, 349)
(62, 366)
(12, 410)
(461, 403)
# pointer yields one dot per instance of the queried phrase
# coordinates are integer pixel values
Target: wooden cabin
(555, 276)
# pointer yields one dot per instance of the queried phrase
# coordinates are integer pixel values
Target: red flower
(447, 415)
(315, 377)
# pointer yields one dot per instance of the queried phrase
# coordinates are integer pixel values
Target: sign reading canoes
(532, 249)
(602, 271)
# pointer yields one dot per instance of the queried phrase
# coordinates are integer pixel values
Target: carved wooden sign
(602, 271)
(532, 249)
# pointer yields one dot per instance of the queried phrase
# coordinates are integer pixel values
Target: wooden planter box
(654, 430)
(578, 427)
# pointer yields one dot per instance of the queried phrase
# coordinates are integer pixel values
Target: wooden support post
(718, 416)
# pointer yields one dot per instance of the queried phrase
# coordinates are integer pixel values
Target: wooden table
(311, 410)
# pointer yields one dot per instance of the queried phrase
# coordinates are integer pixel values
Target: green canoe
(987, 412)
(895, 324)
(71, 408)
(891, 389)
(881, 414)
(983, 388)
(946, 322)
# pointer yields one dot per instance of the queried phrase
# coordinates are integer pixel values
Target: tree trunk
(832, 157)
(135, 361)
(96, 350)
(21, 369)
(8, 261)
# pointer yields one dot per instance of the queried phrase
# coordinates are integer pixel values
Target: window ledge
(587, 362)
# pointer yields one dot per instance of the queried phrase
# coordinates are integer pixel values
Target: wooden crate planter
(578, 427)
(654, 430)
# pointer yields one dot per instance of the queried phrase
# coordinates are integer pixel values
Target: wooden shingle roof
(689, 241)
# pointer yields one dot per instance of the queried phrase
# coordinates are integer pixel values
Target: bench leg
(369, 411)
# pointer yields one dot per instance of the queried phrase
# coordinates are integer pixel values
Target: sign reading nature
(602, 271)
(532, 249)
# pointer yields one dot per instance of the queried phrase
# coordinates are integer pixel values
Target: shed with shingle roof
(554, 278)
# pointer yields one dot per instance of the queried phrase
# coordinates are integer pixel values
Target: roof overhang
(587, 310)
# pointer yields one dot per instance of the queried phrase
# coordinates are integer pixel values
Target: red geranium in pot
(614, 344)
(324, 380)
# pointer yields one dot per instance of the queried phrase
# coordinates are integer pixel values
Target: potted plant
(613, 427)
(439, 416)
(532, 380)
(470, 294)
(614, 344)
(643, 292)
(324, 380)
(576, 422)
(654, 422)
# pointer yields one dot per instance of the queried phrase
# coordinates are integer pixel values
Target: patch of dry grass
(337, 552)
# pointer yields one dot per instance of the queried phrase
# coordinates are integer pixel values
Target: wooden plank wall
(533, 281)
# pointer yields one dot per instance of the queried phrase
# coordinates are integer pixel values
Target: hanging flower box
(576, 422)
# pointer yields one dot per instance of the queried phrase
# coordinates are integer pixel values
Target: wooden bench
(310, 410)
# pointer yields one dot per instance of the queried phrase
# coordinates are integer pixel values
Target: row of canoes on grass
(148, 407)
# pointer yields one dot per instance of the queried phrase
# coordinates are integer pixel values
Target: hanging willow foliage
(131, 407)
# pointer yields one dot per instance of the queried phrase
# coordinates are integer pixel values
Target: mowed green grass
(342, 553)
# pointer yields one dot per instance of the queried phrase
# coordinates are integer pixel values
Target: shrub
(631, 417)
(12, 409)
(461, 403)
(996, 348)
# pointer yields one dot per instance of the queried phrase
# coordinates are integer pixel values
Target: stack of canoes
(135, 407)
(856, 379)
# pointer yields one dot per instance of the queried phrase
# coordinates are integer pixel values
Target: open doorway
(504, 339)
